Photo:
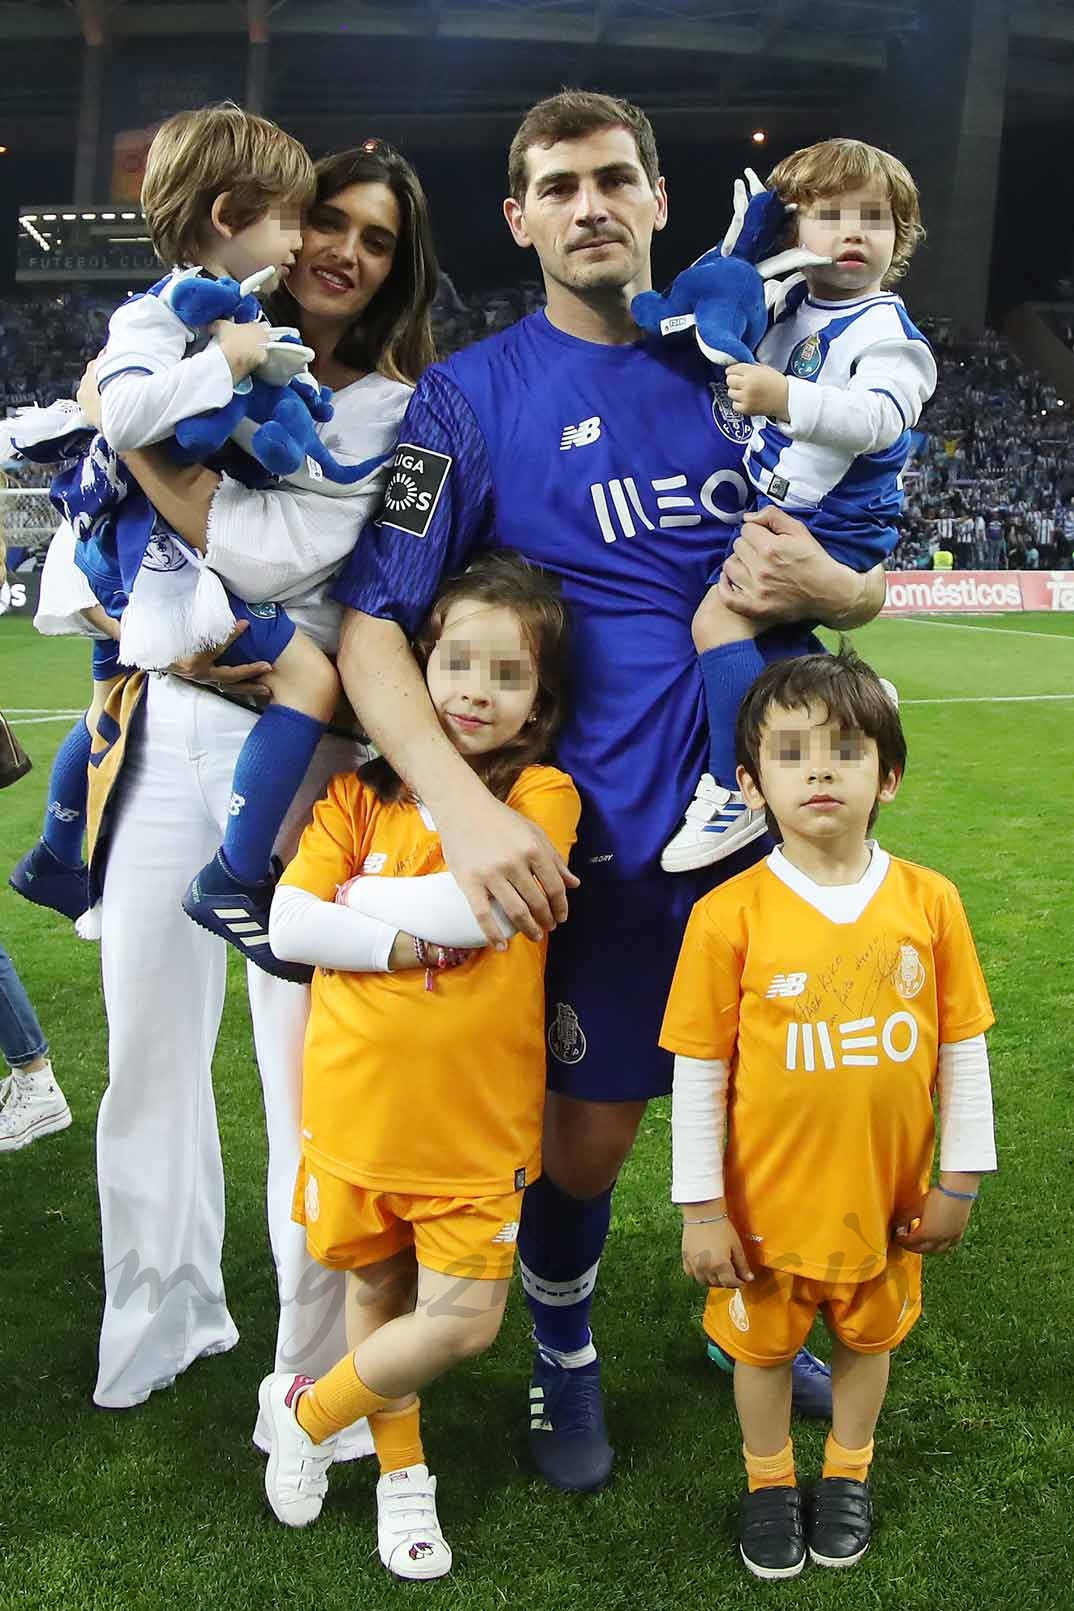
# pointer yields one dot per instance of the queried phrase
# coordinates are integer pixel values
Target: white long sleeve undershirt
(432, 907)
(699, 1119)
(890, 387)
(303, 928)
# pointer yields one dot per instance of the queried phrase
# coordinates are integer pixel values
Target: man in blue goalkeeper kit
(619, 468)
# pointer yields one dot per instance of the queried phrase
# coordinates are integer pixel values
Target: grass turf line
(973, 1481)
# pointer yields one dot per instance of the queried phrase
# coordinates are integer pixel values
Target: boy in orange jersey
(821, 1000)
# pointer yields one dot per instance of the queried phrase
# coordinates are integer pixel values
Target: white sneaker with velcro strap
(717, 823)
(409, 1539)
(296, 1477)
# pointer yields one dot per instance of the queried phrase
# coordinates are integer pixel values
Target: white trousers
(159, 1170)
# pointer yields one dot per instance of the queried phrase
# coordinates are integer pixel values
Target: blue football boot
(238, 913)
(811, 1381)
(568, 1442)
(42, 878)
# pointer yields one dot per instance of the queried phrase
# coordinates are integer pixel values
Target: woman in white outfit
(360, 294)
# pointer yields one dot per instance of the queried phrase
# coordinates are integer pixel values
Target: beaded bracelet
(713, 1219)
(959, 1196)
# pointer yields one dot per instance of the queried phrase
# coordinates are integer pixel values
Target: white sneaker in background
(33, 1106)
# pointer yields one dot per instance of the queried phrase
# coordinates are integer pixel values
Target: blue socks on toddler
(65, 814)
(727, 673)
(268, 772)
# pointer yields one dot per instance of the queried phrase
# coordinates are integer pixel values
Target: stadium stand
(991, 480)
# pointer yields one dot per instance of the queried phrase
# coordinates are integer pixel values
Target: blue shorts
(106, 660)
(270, 631)
(608, 978)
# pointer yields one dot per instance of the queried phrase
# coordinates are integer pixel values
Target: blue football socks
(727, 673)
(559, 1245)
(270, 767)
(65, 814)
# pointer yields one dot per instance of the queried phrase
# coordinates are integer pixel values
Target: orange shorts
(350, 1227)
(769, 1319)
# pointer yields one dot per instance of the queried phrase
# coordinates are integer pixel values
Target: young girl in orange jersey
(423, 1077)
(821, 1000)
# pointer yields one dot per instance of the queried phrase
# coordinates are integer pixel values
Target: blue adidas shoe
(811, 1381)
(239, 913)
(568, 1442)
(811, 1386)
(717, 823)
(42, 878)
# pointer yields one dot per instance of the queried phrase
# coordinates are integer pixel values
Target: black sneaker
(771, 1532)
(840, 1521)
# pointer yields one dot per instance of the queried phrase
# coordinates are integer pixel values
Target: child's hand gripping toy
(273, 412)
(724, 295)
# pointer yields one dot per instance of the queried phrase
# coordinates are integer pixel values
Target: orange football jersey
(831, 1030)
(437, 1092)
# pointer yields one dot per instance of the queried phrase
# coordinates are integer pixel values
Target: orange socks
(850, 1463)
(397, 1437)
(770, 1470)
(337, 1399)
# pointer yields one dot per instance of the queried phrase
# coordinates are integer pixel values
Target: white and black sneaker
(33, 1106)
(409, 1539)
(717, 823)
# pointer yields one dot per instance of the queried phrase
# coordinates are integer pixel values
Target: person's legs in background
(31, 1103)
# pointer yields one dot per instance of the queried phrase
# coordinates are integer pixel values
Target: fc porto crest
(736, 427)
(566, 1040)
(909, 975)
(806, 358)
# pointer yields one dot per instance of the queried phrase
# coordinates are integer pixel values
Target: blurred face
(348, 248)
(272, 242)
(482, 677)
(857, 231)
(589, 212)
(819, 779)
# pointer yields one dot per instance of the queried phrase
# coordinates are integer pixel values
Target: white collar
(839, 903)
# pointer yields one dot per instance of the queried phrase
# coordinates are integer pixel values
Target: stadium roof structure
(454, 65)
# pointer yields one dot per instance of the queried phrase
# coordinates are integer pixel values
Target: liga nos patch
(414, 487)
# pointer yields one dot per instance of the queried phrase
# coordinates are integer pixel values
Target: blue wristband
(960, 1196)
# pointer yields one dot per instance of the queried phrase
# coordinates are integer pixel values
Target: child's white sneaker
(296, 1476)
(717, 823)
(33, 1106)
(409, 1539)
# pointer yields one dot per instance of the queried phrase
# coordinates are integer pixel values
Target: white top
(284, 545)
(146, 389)
(858, 376)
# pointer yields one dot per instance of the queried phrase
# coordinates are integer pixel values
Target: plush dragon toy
(731, 293)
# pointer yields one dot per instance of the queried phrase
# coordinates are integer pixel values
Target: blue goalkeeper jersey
(620, 471)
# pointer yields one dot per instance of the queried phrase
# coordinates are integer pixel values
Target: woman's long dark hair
(393, 335)
(502, 579)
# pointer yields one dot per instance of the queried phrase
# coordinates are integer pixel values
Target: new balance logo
(62, 813)
(787, 984)
(235, 804)
(507, 1232)
(580, 435)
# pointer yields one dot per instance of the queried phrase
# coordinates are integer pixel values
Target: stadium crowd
(988, 482)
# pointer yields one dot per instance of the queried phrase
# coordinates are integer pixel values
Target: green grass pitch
(974, 1474)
